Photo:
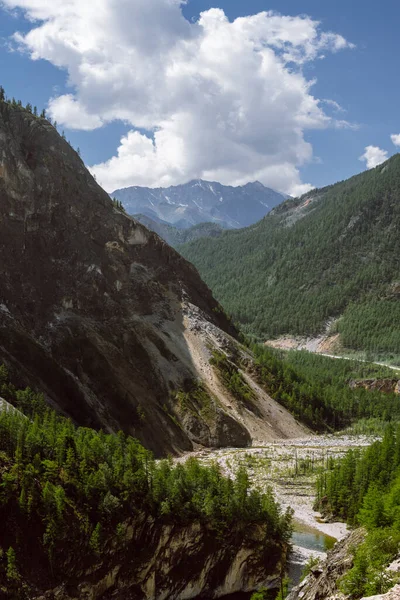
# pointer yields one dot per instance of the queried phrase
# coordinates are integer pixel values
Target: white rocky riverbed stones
(273, 466)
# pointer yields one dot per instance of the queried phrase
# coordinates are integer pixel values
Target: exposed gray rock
(393, 594)
(180, 563)
(91, 302)
(321, 583)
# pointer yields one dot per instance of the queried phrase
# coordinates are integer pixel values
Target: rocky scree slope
(95, 309)
(201, 201)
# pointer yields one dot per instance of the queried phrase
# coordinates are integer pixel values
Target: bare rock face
(321, 583)
(180, 563)
(91, 302)
(103, 316)
(388, 386)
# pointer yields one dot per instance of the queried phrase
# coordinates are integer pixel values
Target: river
(307, 542)
(274, 466)
(310, 538)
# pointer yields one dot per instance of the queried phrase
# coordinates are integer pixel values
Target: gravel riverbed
(290, 468)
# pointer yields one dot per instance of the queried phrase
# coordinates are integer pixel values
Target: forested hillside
(333, 252)
(68, 497)
(316, 390)
(174, 236)
(363, 488)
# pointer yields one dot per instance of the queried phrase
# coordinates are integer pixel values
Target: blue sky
(363, 80)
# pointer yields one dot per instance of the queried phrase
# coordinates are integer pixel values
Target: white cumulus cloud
(68, 110)
(395, 137)
(374, 156)
(219, 99)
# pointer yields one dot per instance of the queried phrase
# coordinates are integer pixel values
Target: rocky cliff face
(91, 302)
(179, 563)
(95, 310)
(322, 582)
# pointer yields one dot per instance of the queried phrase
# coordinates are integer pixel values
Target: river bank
(290, 469)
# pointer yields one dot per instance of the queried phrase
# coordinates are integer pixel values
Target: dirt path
(324, 345)
(379, 364)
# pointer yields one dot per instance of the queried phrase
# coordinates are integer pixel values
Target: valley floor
(326, 345)
(290, 468)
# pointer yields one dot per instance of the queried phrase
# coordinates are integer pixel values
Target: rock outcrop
(321, 583)
(94, 308)
(393, 594)
(388, 386)
(179, 563)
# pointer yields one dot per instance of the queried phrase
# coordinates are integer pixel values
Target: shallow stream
(307, 541)
(310, 538)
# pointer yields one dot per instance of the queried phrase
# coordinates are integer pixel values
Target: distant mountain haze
(201, 201)
(176, 237)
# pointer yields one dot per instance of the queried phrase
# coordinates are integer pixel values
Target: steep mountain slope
(88, 515)
(174, 236)
(332, 252)
(201, 201)
(96, 311)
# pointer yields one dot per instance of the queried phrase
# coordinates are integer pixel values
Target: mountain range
(201, 201)
(331, 256)
(113, 329)
(110, 323)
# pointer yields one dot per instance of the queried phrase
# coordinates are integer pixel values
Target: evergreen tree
(12, 570)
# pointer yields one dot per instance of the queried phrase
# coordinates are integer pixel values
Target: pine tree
(94, 542)
(11, 569)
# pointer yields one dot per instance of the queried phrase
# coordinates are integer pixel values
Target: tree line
(67, 493)
(315, 389)
(363, 488)
(313, 258)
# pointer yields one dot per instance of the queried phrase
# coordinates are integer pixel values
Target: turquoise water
(305, 537)
(310, 538)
